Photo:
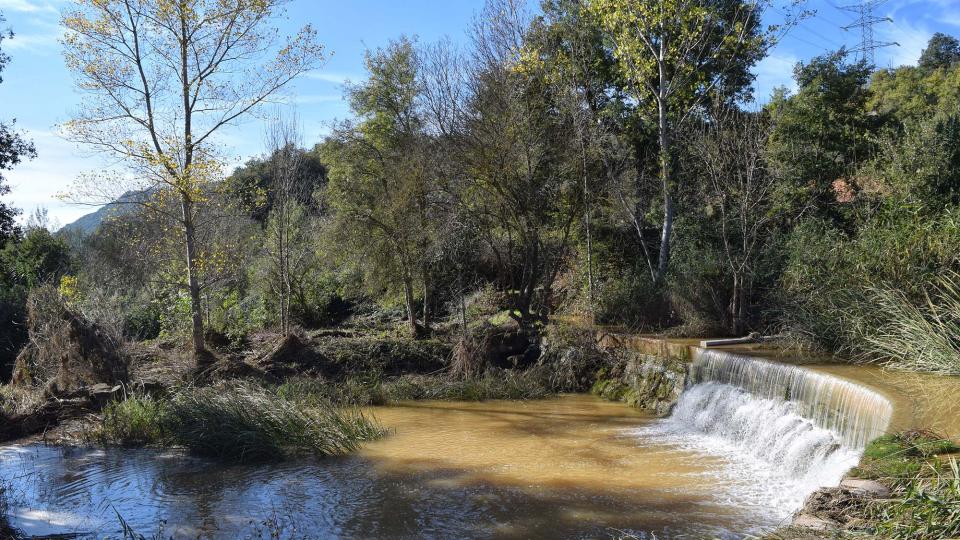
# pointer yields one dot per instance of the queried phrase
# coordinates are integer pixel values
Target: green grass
(925, 478)
(898, 458)
(240, 422)
(135, 421)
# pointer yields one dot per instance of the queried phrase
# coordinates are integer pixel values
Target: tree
(823, 133)
(673, 54)
(379, 186)
(567, 45)
(942, 51)
(287, 243)
(740, 192)
(521, 185)
(161, 78)
(251, 185)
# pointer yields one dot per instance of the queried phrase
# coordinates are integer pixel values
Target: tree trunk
(199, 347)
(426, 301)
(667, 230)
(586, 218)
(408, 298)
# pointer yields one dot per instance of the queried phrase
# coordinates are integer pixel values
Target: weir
(854, 413)
(791, 427)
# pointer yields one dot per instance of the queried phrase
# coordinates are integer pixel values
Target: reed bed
(917, 336)
(238, 422)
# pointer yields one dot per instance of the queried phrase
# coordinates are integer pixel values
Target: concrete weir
(804, 426)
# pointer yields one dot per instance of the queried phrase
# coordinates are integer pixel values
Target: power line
(865, 21)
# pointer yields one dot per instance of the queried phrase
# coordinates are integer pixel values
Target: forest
(590, 165)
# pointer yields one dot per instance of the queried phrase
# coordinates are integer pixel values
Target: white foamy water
(783, 431)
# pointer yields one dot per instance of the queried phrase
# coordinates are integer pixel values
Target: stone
(808, 521)
(866, 487)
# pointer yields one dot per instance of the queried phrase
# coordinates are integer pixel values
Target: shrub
(142, 322)
(135, 421)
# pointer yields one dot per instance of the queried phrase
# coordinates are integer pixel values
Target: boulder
(869, 488)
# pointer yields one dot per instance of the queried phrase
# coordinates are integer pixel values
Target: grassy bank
(922, 471)
(247, 421)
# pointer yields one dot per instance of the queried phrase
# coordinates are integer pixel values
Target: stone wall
(645, 373)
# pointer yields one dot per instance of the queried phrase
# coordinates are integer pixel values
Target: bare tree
(740, 188)
(287, 246)
(161, 78)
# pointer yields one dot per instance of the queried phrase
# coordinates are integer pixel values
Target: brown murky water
(572, 467)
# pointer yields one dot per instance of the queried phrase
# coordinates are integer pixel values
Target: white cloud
(26, 6)
(773, 71)
(331, 77)
(33, 42)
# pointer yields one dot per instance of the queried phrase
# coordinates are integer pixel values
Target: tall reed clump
(237, 422)
(917, 336)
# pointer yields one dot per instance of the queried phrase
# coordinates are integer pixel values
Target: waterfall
(784, 430)
(853, 413)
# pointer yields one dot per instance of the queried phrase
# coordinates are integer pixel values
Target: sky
(38, 91)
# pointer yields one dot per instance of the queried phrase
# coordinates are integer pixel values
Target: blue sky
(37, 90)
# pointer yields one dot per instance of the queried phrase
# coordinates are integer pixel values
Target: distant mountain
(91, 222)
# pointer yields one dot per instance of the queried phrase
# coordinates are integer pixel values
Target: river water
(568, 467)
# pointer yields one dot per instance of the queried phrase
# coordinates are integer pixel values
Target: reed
(917, 336)
(240, 422)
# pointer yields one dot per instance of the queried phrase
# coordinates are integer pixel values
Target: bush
(829, 287)
(631, 300)
(142, 322)
(135, 421)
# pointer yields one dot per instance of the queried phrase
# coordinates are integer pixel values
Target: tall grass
(250, 423)
(237, 422)
(928, 510)
(135, 421)
(916, 336)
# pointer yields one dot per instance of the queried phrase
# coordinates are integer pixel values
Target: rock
(808, 521)
(867, 487)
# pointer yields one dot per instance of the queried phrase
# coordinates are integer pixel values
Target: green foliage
(822, 133)
(630, 299)
(250, 186)
(142, 322)
(942, 51)
(829, 274)
(911, 94)
(139, 420)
